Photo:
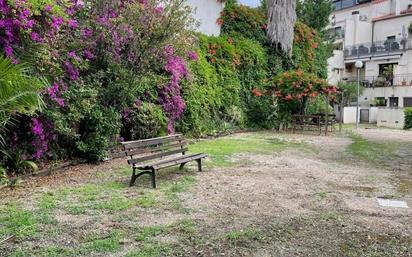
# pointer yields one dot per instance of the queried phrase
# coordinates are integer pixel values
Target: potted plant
(403, 82)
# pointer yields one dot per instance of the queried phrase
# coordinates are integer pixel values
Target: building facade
(206, 13)
(377, 32)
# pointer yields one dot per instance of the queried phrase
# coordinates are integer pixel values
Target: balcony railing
(382, 81)
(342, 4)
(378, 48)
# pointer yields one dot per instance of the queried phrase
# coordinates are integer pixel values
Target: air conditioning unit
(363, 18)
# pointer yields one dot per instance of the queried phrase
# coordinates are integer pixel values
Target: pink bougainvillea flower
(159, 10)
(57, 22)
(73, 55)
(35, 37)
(73, 24)
(88, 54)
(193, 56)
(169, 50)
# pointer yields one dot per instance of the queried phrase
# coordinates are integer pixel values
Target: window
(386, 68)
(380, 101)
(393, 101)
(391, 38)
(407, 102)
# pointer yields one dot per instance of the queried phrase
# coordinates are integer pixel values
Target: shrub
(317, 105)
(16, 162)
(146, 120)
(100, 130)
(240, 20)
(408, 118)
(294, 88)
(3, 175)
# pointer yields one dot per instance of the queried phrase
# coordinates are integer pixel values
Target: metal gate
(364, 116)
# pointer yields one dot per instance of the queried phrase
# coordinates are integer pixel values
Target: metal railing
(341, 4)
(378, 48)
(382, 81)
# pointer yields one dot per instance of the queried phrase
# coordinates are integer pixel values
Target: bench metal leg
(199, 164)
(134, 177)
(153, 176)
(181, 166)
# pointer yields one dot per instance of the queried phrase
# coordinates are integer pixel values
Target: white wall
(373, 114)
(335, 67)
(391, 27)
(206, 12)
(349, 115)
(391, 118)
(369, 94)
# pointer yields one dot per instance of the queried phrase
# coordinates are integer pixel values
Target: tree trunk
(281, 24)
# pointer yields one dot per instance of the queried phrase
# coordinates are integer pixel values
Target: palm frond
(19, 92)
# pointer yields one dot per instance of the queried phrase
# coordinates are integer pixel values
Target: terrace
(342, 4)
(378, 48)
(382, 81)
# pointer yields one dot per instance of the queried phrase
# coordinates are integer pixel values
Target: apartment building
(206, 13)
(378, 33)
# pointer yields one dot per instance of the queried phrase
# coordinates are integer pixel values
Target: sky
(252, 3)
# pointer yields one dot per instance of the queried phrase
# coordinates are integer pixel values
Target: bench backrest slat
(152, 141)
(156, 148)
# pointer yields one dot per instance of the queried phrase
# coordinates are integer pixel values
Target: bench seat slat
(171, 162)
(179, 161)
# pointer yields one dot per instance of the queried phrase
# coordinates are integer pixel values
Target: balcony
(342, 4)
(377, 48)
(382, 81)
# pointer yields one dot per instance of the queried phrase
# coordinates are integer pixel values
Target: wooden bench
(150, 155)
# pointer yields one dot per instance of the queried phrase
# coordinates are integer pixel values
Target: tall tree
(281, 23)
(315, 13)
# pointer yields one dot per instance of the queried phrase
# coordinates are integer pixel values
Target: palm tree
(281, 23)
(19, 92)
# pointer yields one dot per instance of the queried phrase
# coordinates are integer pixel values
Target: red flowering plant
(294, 88)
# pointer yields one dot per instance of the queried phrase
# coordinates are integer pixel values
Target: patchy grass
(146, 233)
(98, 243)
(392, 156)
(151, 250)
(15, 220)
(220, 150)
(372, 152)
(104, 217)
(244, 236)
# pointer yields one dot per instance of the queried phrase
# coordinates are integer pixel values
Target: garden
(79, 78)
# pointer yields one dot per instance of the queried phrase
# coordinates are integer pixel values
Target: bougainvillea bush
(99, 58)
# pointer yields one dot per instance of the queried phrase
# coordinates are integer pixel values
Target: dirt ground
(315, 199)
